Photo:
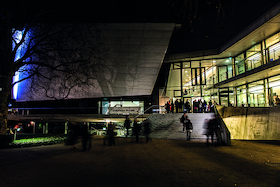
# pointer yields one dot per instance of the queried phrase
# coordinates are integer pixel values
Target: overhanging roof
(262, 28)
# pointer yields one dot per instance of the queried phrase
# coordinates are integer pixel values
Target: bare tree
(57, 59)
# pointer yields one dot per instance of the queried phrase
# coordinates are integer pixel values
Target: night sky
(206, 24)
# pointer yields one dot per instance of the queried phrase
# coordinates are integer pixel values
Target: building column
(247, 95)
(266, 92)
(46, 128)
(235, 96)
(66, 128)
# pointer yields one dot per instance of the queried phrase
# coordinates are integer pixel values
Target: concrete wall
(252, 123)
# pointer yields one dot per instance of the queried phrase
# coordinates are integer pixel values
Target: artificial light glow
(17, 38)
(254, 57)
(15, 88)
(274, 47)
(274, 84)
(256, 89)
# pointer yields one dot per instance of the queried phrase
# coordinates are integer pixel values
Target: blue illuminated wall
(135, 54)
(18, 88)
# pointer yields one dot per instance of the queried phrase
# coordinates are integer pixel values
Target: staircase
(168, 126)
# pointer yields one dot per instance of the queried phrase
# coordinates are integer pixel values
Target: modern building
(125, 78)
(245, 71)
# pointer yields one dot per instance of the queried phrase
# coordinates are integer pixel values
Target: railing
(78, 110)
(160, 110)
(226, 137)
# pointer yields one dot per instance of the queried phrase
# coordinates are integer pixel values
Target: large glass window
(274, 52)
(229, 71)
(241, 96)
(210, 72)
(273, 45)
(224, 96)
(222, 73)
(174, 80)
(274, 86)
(176, 65)
(239, 64)
(198, 76)
(256, 91)
(254, 57)
(187, 81)
(272, 40)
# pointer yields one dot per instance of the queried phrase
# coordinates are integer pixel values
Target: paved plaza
(161, 162)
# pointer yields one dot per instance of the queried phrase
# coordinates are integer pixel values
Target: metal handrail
(226, 137)
(147, 110)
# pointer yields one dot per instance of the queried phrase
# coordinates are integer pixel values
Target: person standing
(127, 125)
(277, 101)
(177, 105)
(172, 107)
(74, 132)
(86, 138)
(187, 106)
(110, 133)
(167, 107)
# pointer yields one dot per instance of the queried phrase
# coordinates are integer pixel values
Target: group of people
(177, 106)
(212, 129)
(198, 106)
(187, 125)
(80, 131)
(77, 130)
(145, 127)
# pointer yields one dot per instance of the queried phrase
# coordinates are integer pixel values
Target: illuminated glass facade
(246, 79)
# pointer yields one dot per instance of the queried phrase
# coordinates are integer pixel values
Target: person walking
(189, 127)
(136, 129)
(147, 129)
(182, 119)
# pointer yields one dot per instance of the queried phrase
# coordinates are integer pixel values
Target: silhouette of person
(189, 127)
(110, 132)
(86, 138)
(147, 129)
(127, 125)
(73, 134)
(136, 130)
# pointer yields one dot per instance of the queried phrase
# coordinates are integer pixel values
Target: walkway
(161, 162)
(168, 126)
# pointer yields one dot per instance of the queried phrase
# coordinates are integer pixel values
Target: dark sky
(206, 24)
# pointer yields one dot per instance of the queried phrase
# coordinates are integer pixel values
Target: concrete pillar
(34, 127)
(47, 128)
(66, 128)
(88, 126)
(266, 92)
(44, 129)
